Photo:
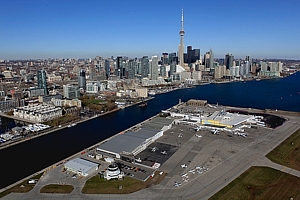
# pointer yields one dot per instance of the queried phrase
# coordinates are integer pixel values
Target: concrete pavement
(227, 160)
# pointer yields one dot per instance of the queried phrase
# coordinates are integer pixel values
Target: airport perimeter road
(207, 184)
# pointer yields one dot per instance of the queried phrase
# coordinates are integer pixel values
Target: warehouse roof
(80, 165)
(158, 123)
(127, 142)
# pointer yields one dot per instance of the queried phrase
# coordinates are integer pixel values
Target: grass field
(22, 187)
(261, 183)
(288, 152)
(55, 188)
(97, 185)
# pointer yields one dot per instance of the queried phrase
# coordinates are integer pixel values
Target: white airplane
(197, 129)
(198, 136)
(239, 130)
(199, 172)
(215, 132)
(192, 171)
(198, 167)
(243, 135)
(180, 135)
(183, 166)
(163, 152)
(184, 175)
(154, 149)
(186, 180)
(177, 184)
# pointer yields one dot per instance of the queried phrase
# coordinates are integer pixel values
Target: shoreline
(44, 171)
(54, 129)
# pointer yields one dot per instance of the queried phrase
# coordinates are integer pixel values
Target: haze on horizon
(37, 29)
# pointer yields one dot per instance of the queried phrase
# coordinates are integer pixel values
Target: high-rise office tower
(154, 68)
(131, 69)
(145, 66)
(189, 54)
(92, 74)
(181, 45)
(82, 79)
(42, 81)
(247, 58)
(192, 55)
(163, 71)
(107, 69)
(172, 68)
(124, 68)
(119, 66)
(211, 60)
(171, 57)
(165, 59)
(228, 61)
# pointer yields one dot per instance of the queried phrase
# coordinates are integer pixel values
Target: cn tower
(181, 45)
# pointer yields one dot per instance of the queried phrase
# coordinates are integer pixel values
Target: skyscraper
(42, 81)
(145, 66)
(228, 61)
(82, 79)
(119, 67)
(165, 59)
(211, 60)
(172, 56)
(154, 68)
(131, 69)
(181, 45)
(192, 55)
(107, 69)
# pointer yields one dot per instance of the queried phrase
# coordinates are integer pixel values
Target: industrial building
(226, 119)
(126, 146)
(81, 166)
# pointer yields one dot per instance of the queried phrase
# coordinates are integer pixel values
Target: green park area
(98, 185)
(288, 152)
(261, 183)
(56, 188)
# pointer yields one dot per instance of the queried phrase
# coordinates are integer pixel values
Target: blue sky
(33, 29)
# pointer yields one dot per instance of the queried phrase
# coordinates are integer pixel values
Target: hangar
(126, 146)
(81, 166)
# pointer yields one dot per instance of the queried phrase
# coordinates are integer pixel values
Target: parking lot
(135, 170)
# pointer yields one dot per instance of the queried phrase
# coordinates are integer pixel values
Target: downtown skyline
(76, 29)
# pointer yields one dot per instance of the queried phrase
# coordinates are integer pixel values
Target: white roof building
(81, 166)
